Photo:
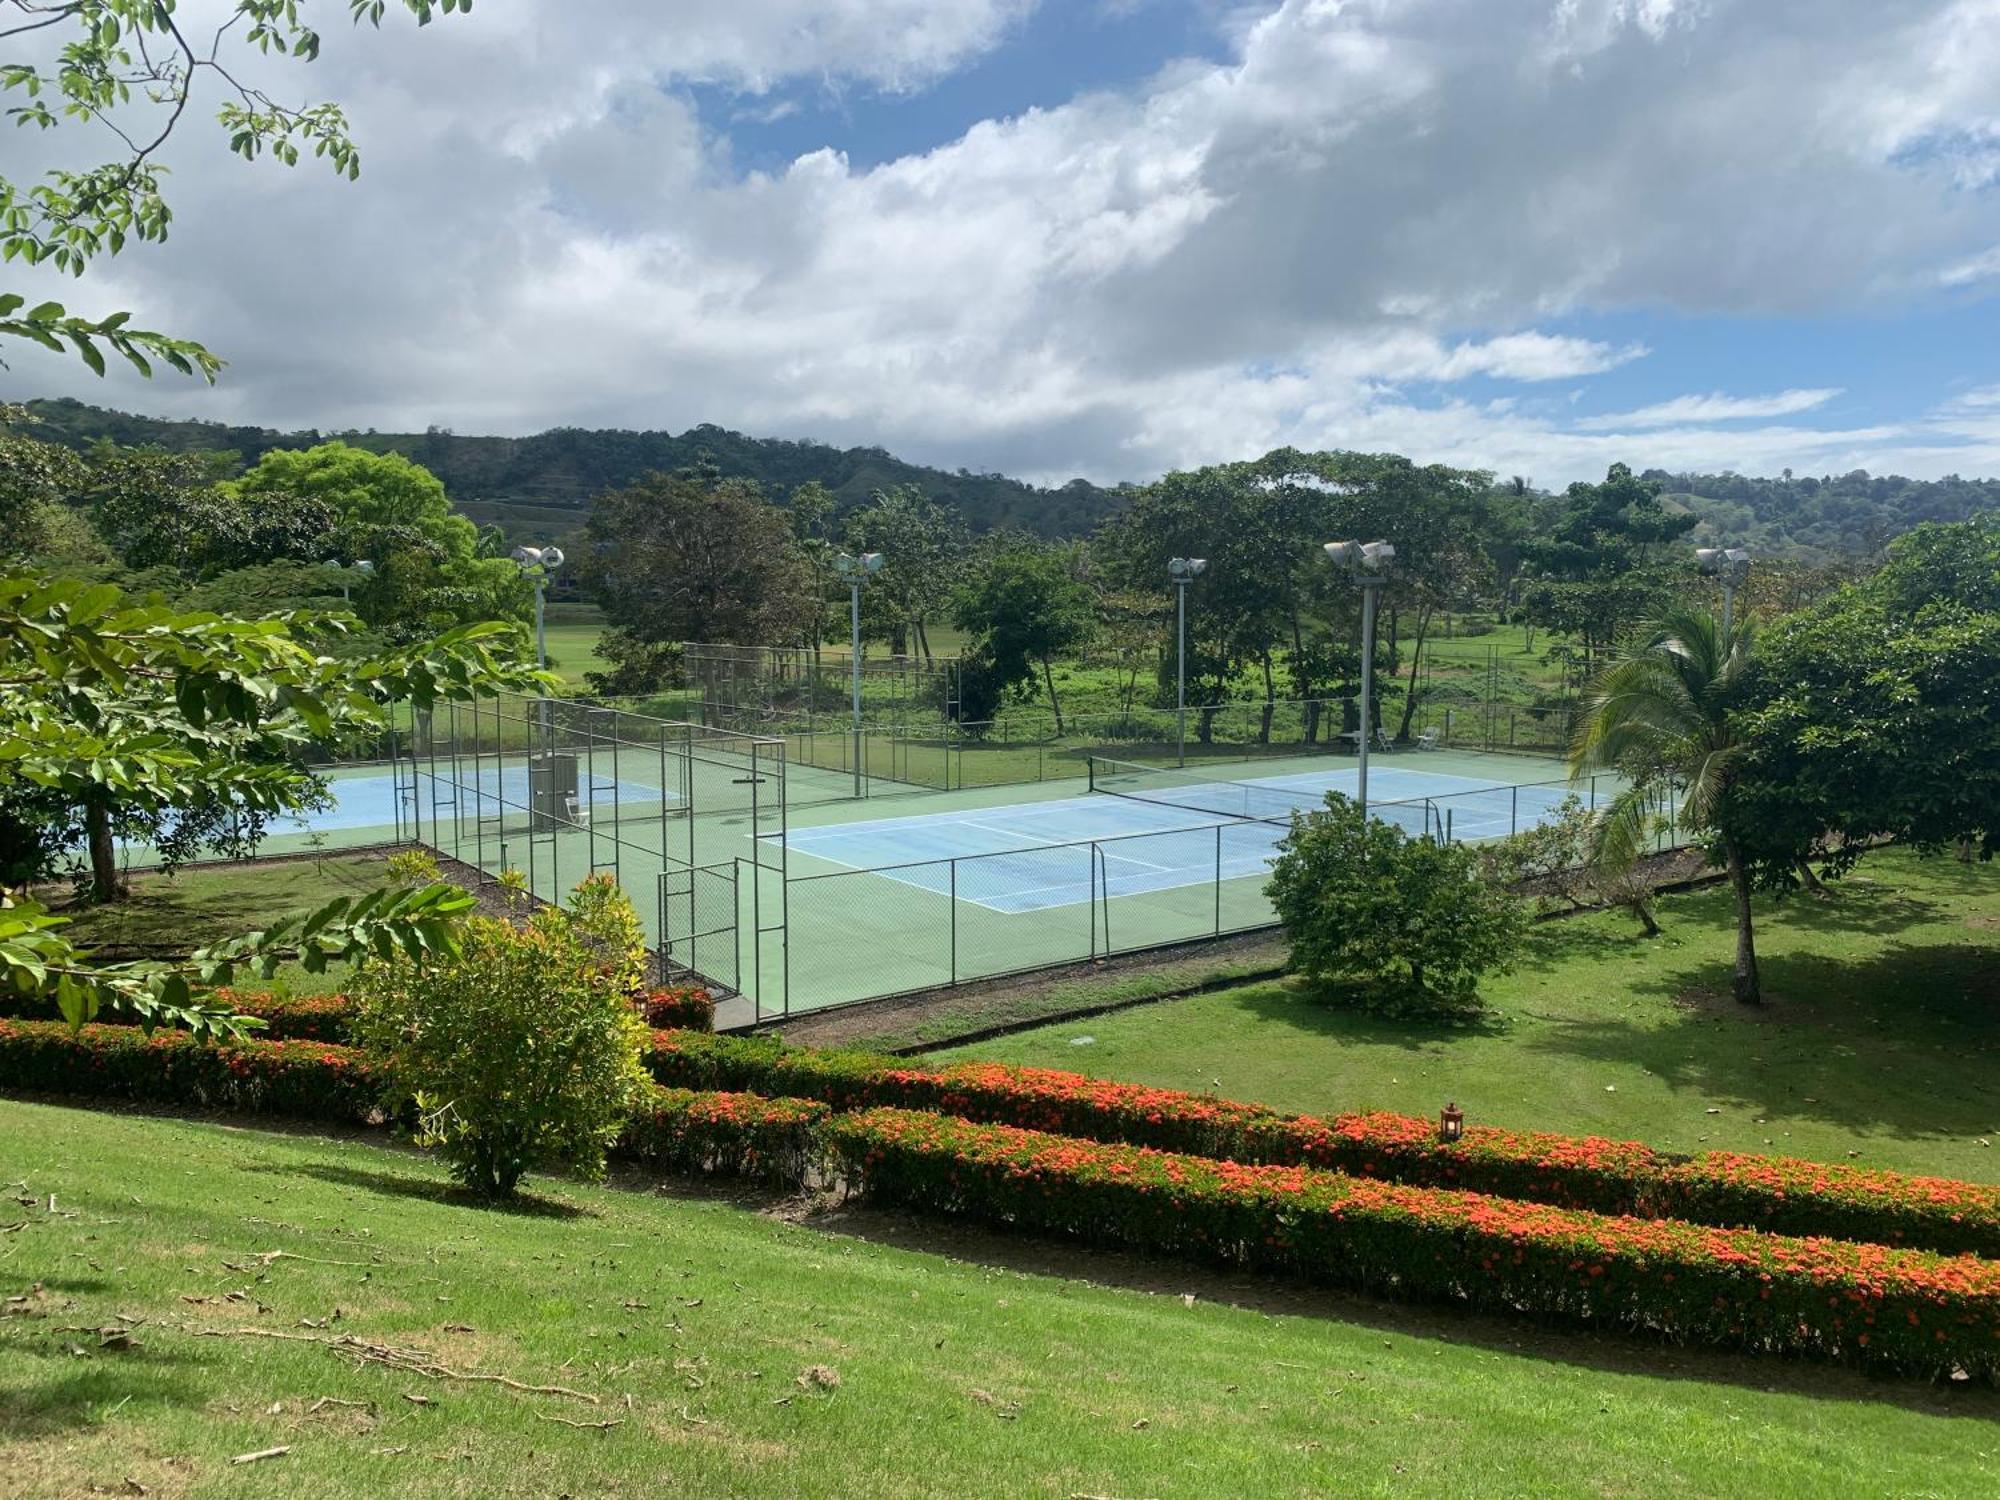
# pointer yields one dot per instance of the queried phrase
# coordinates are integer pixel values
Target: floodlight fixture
(1185, 569)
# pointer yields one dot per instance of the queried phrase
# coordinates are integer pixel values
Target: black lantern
(1451, 1123)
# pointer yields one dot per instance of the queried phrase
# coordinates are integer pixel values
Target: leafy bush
(1556, 861)
(1895, 1310)
(1416, 921)
(1782, 1194)
(524, 1049)
(412, 867)
(678, 1008)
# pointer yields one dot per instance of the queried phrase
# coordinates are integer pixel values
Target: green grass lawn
(1881, 1042)
(201, 904)
(693, 1319)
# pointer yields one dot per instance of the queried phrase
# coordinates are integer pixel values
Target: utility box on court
(551, 790)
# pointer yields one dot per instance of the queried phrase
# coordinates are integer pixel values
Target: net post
(1218, 880)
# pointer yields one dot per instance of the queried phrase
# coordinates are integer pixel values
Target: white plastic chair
(1428, 740)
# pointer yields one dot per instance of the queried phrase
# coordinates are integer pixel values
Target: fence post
(1218, 880)
(1514, 812)
(954, 921)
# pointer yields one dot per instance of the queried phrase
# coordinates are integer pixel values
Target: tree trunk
(924, 640)
(1745, 985)
(1811, 881)
(1416, 660)
(1270, 703)
(1642, 908)
(104, 882)
(1055, 705)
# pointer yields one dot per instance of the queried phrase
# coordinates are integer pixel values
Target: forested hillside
(538, 487)
(1846, 515)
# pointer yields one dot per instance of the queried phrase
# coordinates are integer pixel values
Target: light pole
(537, 563)
(1732, 566)
(361, 566)
(1368, 564)
(857, 571)
(1183, 571)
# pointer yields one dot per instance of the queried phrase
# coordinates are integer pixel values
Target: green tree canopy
(123, 73)
(1025, 606)
(1875, 713)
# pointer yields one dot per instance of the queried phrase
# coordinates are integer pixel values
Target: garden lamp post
(1183, 571)
(1732, 566)
(856, 571)
(346, 570)
(1368, 564)
(537, 563)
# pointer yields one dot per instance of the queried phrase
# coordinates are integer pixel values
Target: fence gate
(698, 935)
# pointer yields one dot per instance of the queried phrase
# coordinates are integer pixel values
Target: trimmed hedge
(1903, 1311)
(323, 1018)
(1779, 1194)
(683, 1131)
(740, 1135)
(309, 1080)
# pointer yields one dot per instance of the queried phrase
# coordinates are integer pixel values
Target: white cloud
(1312, 242)
(1715, 407)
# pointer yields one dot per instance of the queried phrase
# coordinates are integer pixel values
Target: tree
(695, 557)
(35, 477)
(129, 68)
(1414, 919)
(1665, 718)
(169, 510)
(923, 546)
(1025, 607)
(1600, 567)
(134, 709)
(429, 568)
(1875, 714)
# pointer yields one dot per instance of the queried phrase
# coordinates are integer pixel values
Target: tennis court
(1158, 831)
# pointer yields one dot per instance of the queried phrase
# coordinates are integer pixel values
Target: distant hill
(1836, 515)
(538, 488)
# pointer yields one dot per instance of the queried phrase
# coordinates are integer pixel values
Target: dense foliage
(523, 1048)
(1897, 1310)
(1624, 1177)
(1415, 920)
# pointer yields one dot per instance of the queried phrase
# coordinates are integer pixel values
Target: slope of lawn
(695, 1321)
(1880, 1044)
(173, 914)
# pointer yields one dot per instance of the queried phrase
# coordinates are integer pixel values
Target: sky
(1109, 238)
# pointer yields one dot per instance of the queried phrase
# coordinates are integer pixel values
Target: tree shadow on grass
(428, 1190)
(91, 1387)
(1329, 1012)
(1612, 1353)
(1906, 1040)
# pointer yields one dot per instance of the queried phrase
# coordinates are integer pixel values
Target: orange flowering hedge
(309, 1080)
(1781, 1194)
(741, 1135)
(679, 1008)
(1904, 1311)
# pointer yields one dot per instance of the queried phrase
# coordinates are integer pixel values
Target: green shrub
(413, 868)
(1415, 921)
(524, 1049)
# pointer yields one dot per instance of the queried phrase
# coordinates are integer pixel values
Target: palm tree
(1664, 712)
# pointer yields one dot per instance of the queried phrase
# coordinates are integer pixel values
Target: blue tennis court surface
(1034, 855)
(370, 801)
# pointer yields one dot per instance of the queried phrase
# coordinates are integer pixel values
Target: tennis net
(1189, 791)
